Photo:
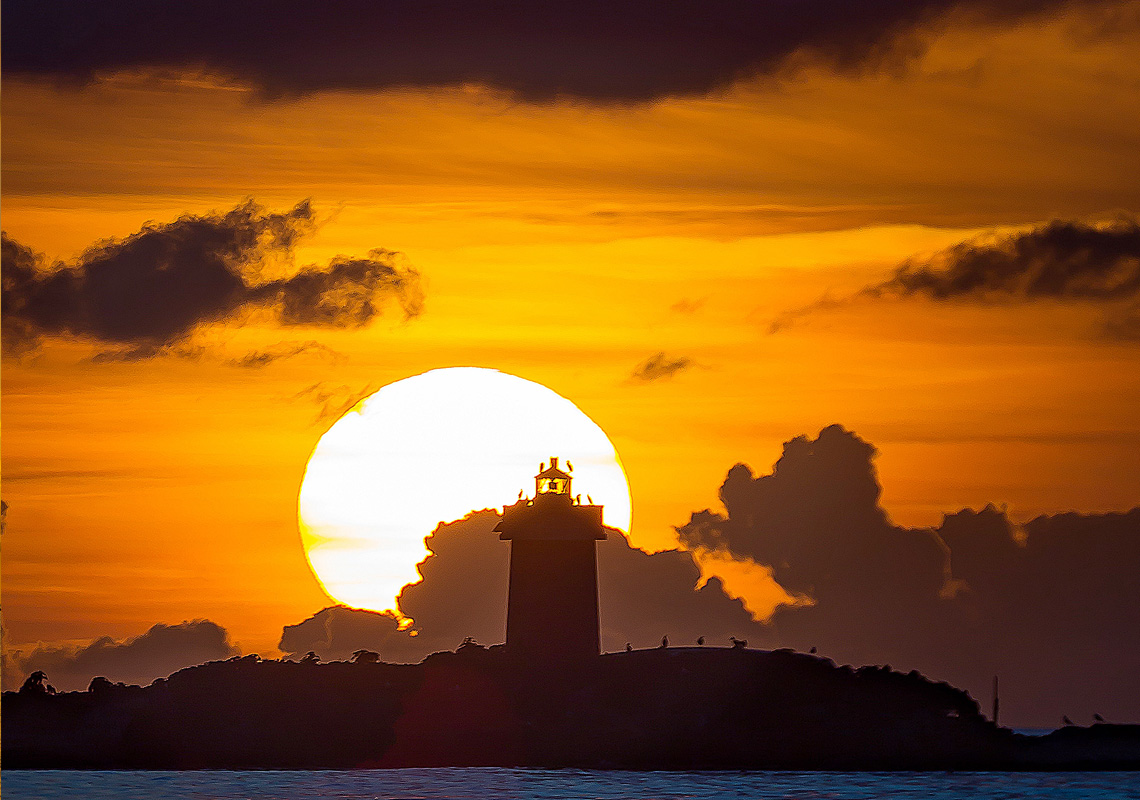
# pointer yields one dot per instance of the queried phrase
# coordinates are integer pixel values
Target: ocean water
(524, 784)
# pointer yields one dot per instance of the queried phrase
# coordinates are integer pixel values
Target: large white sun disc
(430, 449)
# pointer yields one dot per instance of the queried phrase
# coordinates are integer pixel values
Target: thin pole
(995, 699)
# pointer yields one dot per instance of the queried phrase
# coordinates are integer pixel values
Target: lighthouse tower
(552, 605)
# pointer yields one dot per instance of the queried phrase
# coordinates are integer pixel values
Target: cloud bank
(588, 49)
(464, 593)
(337, 632)
(155, 654)
(1050, 606)
(148, 292)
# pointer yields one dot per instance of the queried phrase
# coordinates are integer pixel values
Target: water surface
(525, 784)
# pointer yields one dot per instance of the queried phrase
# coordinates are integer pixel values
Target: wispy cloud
(334, 401)
(660, 367)
(1063, 261)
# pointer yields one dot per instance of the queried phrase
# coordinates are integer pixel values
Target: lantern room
(552, 480)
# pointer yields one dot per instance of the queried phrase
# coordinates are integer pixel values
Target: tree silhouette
(37, 684)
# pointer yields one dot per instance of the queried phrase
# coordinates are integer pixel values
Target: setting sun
(430, 449)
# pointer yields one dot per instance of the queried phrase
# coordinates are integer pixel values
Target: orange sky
(566, 243)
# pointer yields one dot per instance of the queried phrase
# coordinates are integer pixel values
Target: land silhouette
(547, 697)
(664, 707)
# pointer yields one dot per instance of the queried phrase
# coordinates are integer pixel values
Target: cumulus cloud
(660, 366)
(155, 654)
(335, 633)
(146, 293)
(647, 596)
(1050, 605)
(815, 517)
(591, 49)
(642, 597)
(1062, 261)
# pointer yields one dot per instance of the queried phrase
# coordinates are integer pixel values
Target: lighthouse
(552, 602)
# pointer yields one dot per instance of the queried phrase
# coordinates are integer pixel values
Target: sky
(715, 228)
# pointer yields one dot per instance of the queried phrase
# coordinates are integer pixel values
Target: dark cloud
(1049, 606)
(146, 293)
(1061, 260)
(814, 517)
(464, 588)
(463, 593)
(646, 596)
(591, 49)
(659, 366)
(155, 654)
(335, 633)
(642, 596)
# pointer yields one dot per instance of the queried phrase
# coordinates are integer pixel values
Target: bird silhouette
(628, 647)
(1066, 721)
(812, 651)
(664, 641)
(700, 641)
(570, 466)
(589, 500)
(520, 494)
(1098, 717)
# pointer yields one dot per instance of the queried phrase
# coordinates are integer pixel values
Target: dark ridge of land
(676, 708)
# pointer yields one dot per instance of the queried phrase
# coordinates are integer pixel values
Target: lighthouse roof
(553, 471)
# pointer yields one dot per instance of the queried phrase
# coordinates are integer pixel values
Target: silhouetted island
(674, 708)
(546, 698)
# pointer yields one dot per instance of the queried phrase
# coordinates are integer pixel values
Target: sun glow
(430, 449)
